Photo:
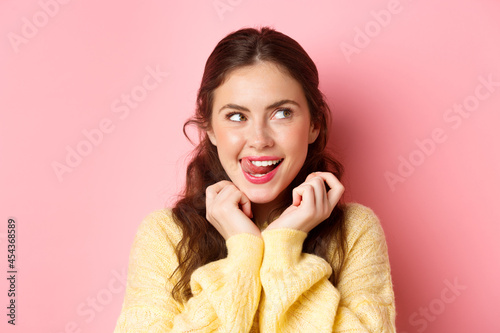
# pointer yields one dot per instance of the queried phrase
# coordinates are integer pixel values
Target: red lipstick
(262, 171)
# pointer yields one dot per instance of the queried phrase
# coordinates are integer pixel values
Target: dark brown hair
(201, 243)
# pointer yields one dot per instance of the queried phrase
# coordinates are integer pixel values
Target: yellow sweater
(264, 285)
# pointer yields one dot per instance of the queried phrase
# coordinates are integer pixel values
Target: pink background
(391, 70)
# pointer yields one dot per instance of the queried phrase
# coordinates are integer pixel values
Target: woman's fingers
(305, 194)
(313, 190)
(213, 190)
(229, 210)
(231, 194)
(245, 205)
(336, 187)
(297, 195)
(312, 204)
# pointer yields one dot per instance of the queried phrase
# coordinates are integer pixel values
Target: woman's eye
(236, 117)
(283, 113)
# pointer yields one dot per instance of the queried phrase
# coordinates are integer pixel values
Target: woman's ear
(313, 132)
(211, 136)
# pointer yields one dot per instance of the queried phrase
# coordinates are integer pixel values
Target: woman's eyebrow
(272, 106)
(280, 103)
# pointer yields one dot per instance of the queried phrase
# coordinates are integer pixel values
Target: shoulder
(361, 223)
(356, 215)
(158, 227)
(153, 256)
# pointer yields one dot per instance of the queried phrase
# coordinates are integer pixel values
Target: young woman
(259, 241)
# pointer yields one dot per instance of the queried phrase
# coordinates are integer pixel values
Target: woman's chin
(260, 200)
(262, 197)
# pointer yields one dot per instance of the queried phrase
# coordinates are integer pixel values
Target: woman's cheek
(233, 139)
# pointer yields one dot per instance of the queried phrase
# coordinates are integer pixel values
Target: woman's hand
(311, 203)
(229, 210)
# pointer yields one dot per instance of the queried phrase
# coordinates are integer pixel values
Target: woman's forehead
(263, 83)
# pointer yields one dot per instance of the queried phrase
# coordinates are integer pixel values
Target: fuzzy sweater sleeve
(226, 292)
(298, 297)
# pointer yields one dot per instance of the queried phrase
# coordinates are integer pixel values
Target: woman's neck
(262, 212)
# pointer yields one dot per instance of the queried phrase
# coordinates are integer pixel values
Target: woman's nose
(260, 136)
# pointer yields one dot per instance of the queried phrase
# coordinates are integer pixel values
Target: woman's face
(261, 126)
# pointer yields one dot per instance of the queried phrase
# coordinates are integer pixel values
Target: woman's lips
(260, 169)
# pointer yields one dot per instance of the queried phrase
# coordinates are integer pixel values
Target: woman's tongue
(252, 169)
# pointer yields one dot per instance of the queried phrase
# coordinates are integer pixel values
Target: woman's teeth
(259, 175)
(259, 168)
(264, 163)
